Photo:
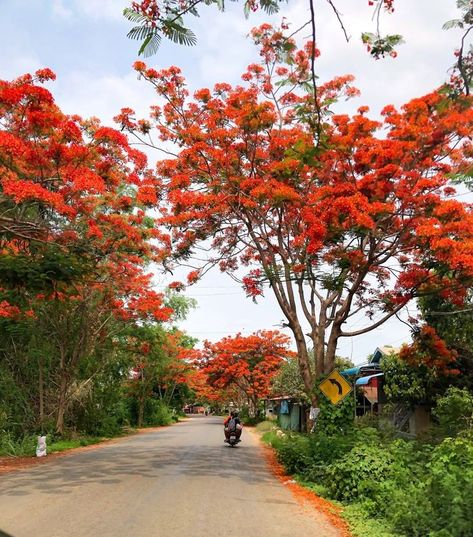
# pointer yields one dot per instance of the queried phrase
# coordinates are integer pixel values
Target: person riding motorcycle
(232, 424)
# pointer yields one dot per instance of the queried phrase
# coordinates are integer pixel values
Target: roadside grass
(266, 426)
(26, 446)
(63, 445)
(362, 525)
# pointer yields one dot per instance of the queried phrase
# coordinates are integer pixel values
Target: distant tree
(247, 362)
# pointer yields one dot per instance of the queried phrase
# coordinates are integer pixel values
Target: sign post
(335, 387)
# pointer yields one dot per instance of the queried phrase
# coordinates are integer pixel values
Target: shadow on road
(188, 450)
(3, 534)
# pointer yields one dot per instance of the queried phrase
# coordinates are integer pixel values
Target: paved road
(180, 481)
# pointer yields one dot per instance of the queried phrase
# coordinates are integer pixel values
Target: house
(289, 412)
(194, 408)
(369, 379)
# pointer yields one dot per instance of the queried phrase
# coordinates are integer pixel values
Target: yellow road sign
(335, 387)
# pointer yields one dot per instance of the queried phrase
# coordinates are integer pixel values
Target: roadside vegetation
(390, 486)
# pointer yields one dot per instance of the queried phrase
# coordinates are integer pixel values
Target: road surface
(180, 481)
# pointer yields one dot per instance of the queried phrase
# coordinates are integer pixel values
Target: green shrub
(17, 447)
(250, 421)
(294, 453)
(358, 474)
(265, 426)
(454, 411)
(450, 487)
(157, 413)
(335, 419)
(410, 488)
(324, 450)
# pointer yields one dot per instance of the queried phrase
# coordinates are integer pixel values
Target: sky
(84, 42)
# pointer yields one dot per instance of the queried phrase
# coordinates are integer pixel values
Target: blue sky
(84, 42)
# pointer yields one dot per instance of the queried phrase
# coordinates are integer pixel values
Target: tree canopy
(339, 214)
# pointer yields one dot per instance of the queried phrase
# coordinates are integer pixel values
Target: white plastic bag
(41, 447)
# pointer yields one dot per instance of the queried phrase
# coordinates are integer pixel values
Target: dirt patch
(11, 464)
(304, 495)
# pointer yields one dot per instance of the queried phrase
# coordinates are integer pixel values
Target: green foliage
(293, 453)
(324, 449)
(454, 411)
(357, 475)
(335, 419)
(380, 46)
(454, 324)
(407, 384)
(363, 526)
(64, 445)
(265, 426)
(172, 25)
(12, 446)
(181, 306)
(157, 413)
(390, 487)
(450, 488)
(289, 381)
(252, 420)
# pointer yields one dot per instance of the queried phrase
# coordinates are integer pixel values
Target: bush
(358, 474)
(324, 450)
(294, 453)
(454, 411)
(450, 488)
(157, 413)
(335, 419)
(253, 421)
(412, 489)
(266, 426)
(17, 447)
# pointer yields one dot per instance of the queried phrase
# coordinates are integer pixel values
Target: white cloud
(86, 94)
(101, 9)
(60, 10)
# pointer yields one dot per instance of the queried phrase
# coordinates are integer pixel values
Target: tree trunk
(141, 411)
(41, 393)
(61, 407)
(331, 351)
(254, 404)
(303, 359)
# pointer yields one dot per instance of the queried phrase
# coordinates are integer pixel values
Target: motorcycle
(233, 439)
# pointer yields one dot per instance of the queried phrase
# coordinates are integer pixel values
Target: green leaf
(246, 9)
(150, 45)
(139, 32)
(269, 6)
(455, 23)
(134, 16)
(179, 34)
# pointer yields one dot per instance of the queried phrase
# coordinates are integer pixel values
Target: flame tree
(248, 363)
(356, 216)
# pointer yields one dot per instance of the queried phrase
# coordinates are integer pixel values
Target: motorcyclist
(237, 427)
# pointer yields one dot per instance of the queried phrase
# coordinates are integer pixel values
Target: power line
(456, 312)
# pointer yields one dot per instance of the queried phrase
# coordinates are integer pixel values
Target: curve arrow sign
(338, 385)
